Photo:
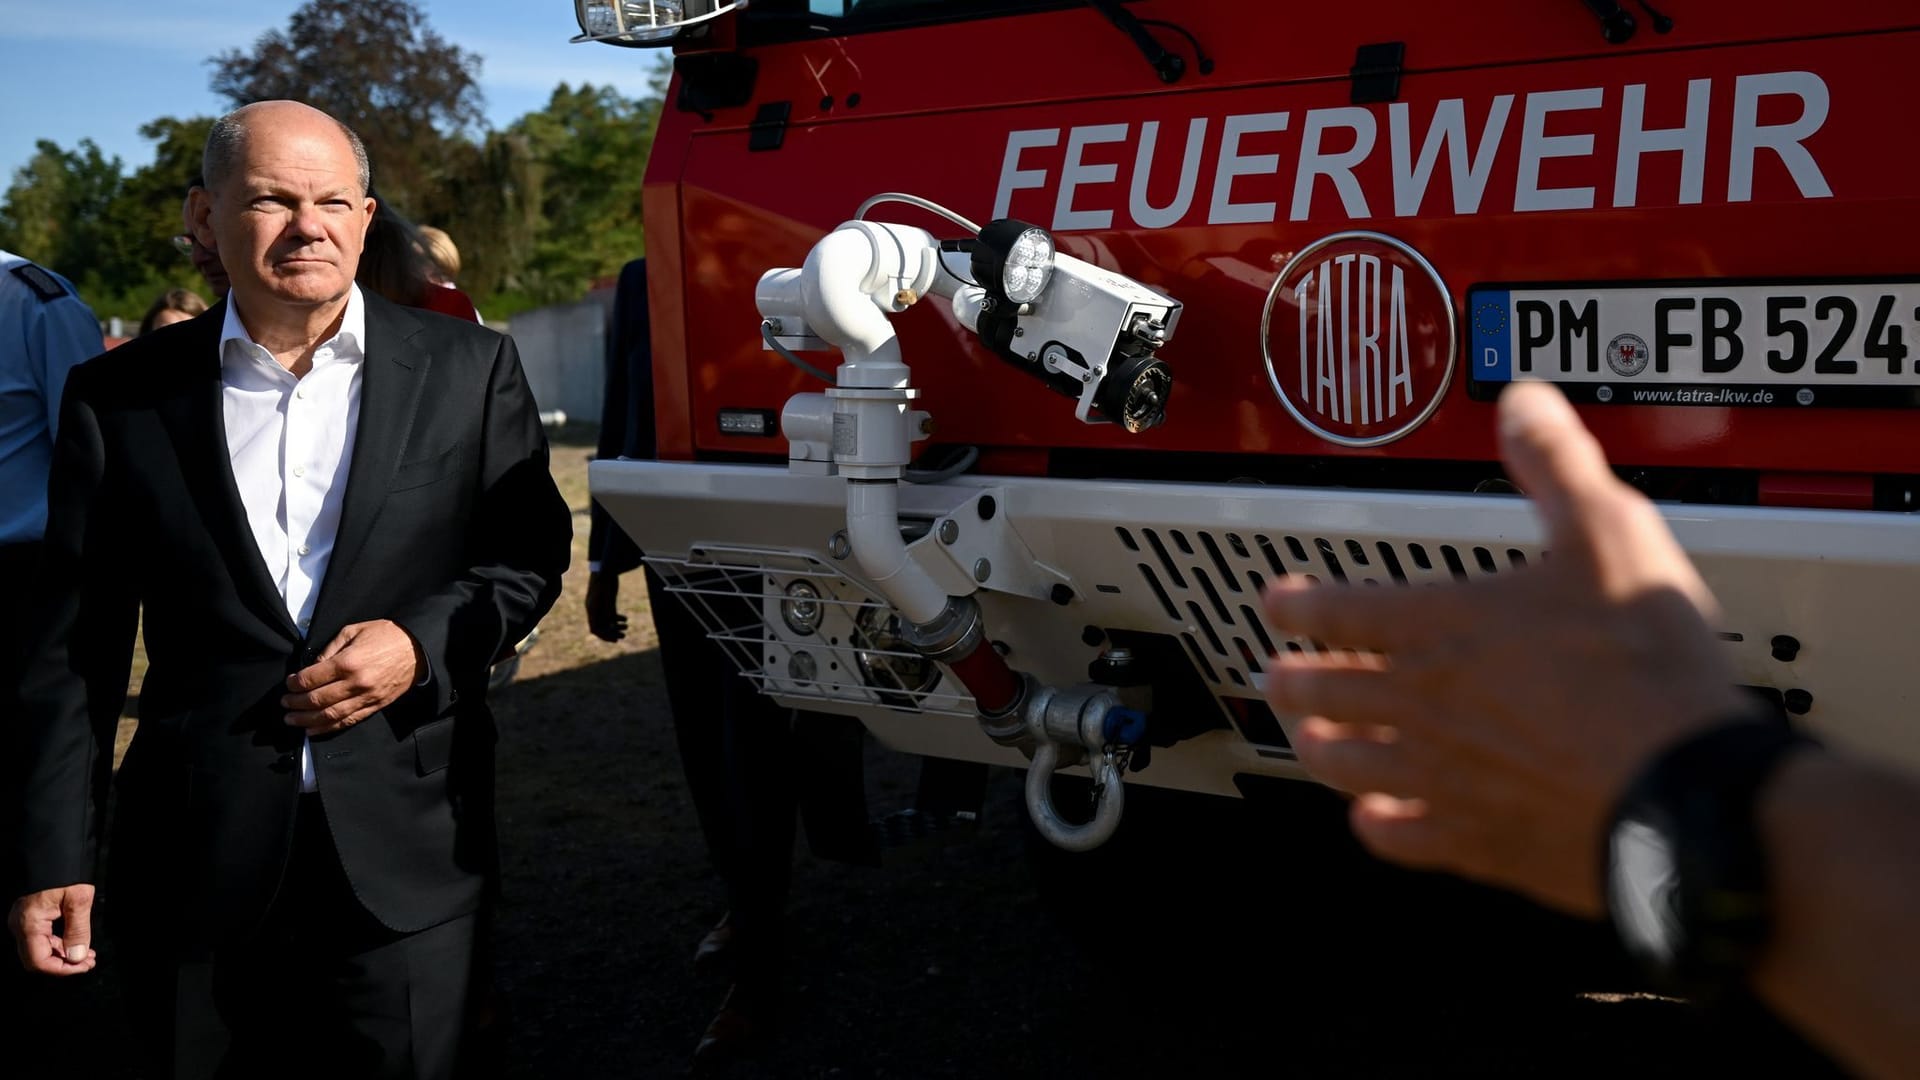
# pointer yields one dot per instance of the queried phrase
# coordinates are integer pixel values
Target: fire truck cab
(1005, 350)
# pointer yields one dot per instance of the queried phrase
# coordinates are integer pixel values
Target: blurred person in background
(752, 766)
(736, 744)
(189, 245)
(45, 330)
(396, 265)
(172, 306)
(445, 256)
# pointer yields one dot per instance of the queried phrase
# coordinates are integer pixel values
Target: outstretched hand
(1487, 728)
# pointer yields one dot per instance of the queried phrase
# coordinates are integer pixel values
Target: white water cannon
(1087, 333)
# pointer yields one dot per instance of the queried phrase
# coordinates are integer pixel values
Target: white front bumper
(1187, 560)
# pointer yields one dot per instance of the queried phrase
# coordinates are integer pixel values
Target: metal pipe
(873, 527)
(985, 674)
(844, 313)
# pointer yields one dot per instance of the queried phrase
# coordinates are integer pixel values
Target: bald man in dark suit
(334, 513)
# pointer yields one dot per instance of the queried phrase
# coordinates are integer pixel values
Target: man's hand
(363, 670)
(68, 952)
(1490, 727)
(603, 607)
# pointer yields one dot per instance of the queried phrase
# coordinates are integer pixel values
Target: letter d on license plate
(1719, 343)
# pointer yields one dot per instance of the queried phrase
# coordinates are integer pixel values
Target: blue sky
(99, 71)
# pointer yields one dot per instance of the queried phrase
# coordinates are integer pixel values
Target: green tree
(55, 209)
(552, 204)
(540, 210)
(56, 206)
(147, 213)
(375, 64)
(492, 214)
(588, 150)
(77, 212)
(31, 215)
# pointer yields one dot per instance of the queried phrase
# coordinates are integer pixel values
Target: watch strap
(1704, 790)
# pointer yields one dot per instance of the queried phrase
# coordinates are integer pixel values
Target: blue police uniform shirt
(45, 329)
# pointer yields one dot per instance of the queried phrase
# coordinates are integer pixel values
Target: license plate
(1720, 343)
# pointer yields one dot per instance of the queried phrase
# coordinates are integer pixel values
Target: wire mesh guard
(799, 628)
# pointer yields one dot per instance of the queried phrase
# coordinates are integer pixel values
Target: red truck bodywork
(932, 109)
(1728, 212)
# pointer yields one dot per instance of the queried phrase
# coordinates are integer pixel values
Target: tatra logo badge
(1358, 335)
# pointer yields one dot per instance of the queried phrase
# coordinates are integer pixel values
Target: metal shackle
(1058, 831)
(1069, 726)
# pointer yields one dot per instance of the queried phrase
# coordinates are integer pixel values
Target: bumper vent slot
(1227, 576)
(1213, 595)
(1203, 577)
(1166, 560)
(1200, 659)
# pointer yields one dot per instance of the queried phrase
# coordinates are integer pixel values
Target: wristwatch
(1684, 869)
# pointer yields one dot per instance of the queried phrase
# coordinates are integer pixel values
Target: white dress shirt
(291, 441)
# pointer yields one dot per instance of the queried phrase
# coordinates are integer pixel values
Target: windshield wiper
(1200, 58)
(1165, 64)
(1617, 24)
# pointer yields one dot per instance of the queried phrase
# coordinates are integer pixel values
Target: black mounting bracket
(718, 80)
(769, 128)
(1376, 72)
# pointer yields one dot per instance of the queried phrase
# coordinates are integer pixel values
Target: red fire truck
(1006, 349)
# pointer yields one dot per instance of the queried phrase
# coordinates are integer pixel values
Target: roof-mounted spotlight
(644, 23)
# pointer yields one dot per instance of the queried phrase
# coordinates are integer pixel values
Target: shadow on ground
(1212, 938)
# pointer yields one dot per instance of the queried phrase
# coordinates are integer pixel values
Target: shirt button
(305, 550)
(299, 470)
(300, 393)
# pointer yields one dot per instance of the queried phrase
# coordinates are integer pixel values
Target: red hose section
(985, 674)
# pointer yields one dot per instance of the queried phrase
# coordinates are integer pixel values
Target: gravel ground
(1213, 938)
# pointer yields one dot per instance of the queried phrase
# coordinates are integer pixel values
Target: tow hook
(1086, 723)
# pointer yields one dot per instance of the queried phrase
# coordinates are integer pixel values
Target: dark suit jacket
(626, 409)
(451, 526)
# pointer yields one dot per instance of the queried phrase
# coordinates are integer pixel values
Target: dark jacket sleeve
(519, 540)
(607, 543)
(626, 410)
(83, 608)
